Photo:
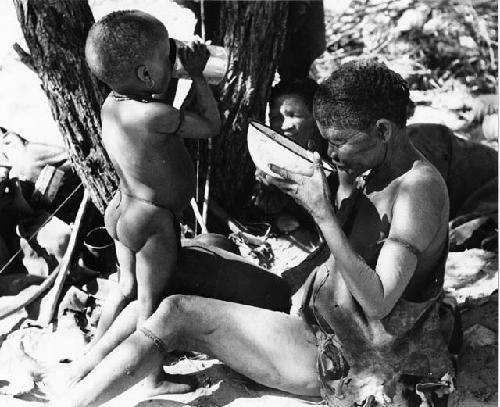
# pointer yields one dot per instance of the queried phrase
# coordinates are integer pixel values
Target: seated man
(371, 330)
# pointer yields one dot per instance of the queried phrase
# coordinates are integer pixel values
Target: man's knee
(174, 305)
(171, 320)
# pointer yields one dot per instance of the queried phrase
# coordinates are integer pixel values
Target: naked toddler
(143, 136)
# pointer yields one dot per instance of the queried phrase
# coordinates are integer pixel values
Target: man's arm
(416, 218)
(417, 215)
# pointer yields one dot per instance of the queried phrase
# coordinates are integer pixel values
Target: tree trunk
(254, 33)
(55, 32)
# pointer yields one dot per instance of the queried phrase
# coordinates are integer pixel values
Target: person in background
(290, 113)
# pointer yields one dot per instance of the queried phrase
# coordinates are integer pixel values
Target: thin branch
(25, 57)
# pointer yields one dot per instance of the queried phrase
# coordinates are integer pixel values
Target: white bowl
(267, 146)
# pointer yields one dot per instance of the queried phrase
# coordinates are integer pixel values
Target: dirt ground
(472, 278)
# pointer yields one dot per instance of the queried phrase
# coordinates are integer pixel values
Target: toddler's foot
(59, 379)
(53, 379)
(164, 383)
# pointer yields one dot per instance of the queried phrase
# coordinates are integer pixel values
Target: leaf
(460, 234)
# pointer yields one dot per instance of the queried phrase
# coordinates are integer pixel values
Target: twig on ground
(49, 302)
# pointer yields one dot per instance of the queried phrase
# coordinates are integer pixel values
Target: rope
(41, 227)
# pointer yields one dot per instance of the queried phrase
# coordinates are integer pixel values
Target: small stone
(478, 335)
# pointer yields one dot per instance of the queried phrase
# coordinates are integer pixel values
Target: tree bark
(254, 34)
(55, 32)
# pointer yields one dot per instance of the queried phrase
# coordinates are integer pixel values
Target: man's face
(290, 115)
(352, 151)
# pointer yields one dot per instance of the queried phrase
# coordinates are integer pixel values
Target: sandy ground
(472, 276)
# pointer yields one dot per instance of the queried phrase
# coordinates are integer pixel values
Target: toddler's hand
(194, 57)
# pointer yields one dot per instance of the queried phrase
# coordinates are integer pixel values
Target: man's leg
(272, 348)
(204, 271)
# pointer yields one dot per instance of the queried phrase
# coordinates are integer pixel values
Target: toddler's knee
(128, 288)
(127, 285)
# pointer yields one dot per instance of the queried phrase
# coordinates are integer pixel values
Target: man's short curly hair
(359, 93)
(304, 88)
(120, 41)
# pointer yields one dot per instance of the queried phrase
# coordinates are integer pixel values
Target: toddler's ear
(143, 74)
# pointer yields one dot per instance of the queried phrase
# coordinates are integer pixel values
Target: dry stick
(206, 195)
(198, 216)
(28, 295)
(49, 302)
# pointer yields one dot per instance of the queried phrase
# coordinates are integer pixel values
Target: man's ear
(385, 129)
(143, 74)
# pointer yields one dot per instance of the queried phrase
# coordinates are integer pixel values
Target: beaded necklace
(121, 98)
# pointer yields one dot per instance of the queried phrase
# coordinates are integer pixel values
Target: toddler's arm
(203, 119)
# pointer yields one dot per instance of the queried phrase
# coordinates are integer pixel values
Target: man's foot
(164, 383)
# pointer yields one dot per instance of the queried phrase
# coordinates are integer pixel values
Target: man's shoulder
(424, 184)
(421, 205)
(423, 173)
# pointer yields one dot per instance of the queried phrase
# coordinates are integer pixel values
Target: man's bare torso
(370, 225)
(152, 165)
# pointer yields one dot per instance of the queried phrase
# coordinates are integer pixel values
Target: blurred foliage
(430, 42)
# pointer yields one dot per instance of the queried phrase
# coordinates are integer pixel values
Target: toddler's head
(129, 50)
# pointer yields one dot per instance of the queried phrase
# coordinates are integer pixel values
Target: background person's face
(290, 115)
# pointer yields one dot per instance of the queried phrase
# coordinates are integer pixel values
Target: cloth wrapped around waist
(360, 358)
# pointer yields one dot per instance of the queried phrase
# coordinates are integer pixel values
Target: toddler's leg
(155, 265)
(122, 295)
